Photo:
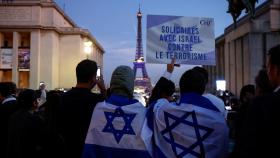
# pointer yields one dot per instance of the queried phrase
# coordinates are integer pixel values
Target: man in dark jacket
(8, 105)
(25, 127)
(261, 128)
(77, 106)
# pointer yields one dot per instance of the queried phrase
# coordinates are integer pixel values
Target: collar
(277, 89)
(9, 98)
(197, 100)
(119, 100)
(81, 89)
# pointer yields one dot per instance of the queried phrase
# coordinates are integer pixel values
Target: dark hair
(203, 71)
(246, 89)
(50, 107)
(26, 98)
(86, 70)
(262, 82)
(274, 55)
(192, 81)
(163, 87)
(7, 88)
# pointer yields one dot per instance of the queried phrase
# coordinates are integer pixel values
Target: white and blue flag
(194, 128)
(118, 128)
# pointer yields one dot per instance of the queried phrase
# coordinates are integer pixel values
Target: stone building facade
(39, 42)
(241, 52)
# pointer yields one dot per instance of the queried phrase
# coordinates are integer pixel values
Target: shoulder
(269, 101)
(82, 94)
(10, 103)
(162, 104)
(219, 103)
(213, 98)
(264, 99)
(97, 97)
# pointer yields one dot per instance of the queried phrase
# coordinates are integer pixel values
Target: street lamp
(87, 48)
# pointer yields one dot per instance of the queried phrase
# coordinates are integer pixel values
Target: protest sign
(6, 56)
(190, 40)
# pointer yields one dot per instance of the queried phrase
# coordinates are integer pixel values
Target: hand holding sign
(170, 67)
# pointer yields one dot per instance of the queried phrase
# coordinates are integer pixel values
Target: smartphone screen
(98, 72)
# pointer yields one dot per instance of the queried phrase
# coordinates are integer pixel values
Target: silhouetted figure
(263, 85)
(77, 106)
(237, 119)
(192, 128)
(8, 105)
(53, 142)
(43, 93)
(25, 127)
(214, 99)
(117, 124)
(261, 128)
(164, 88)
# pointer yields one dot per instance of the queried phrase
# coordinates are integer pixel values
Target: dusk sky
(114, 24)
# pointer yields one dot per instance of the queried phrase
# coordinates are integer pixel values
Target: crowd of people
(79, 123)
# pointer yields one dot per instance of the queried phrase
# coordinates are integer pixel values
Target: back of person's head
(122, 81)
(53, 100)
(203, 71)
(274, 56)
(7, 88)
(13, 87)
(163, 89)
(263, 85)
(274, 66)
(27, 98)
(2, 87)
(192, 81)
(42, 85)
(246, 93)
(168, 88)
(86, 71)
(53, 96)
(3, 90)
(234, 103)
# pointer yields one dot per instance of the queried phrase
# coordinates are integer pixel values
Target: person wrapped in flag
(118, 126)
(192, 128)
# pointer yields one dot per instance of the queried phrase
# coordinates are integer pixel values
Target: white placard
(190, 40)
(6, 60)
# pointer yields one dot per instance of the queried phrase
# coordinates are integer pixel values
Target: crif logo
(205, 22)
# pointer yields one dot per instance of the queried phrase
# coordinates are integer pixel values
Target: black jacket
(261, 132)
(25, 135)
(74, 116)
(6, 110)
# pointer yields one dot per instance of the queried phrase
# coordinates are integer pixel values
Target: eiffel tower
(139, 63)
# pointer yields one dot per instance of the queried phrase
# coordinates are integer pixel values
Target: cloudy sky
(114, 25)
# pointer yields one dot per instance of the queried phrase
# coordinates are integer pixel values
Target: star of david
(197, 128)
(127, 129)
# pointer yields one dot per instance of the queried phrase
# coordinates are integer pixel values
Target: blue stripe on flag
(150, 115)
(96, 151)
(120, 100)
(198, 100)
(158, 153)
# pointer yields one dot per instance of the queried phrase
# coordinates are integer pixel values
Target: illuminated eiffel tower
(139, 63)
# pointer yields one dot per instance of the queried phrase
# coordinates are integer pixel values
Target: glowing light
(88, 47)
(221, 85)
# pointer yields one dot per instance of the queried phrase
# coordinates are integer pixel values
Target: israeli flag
(194, 128)
(118, 129)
